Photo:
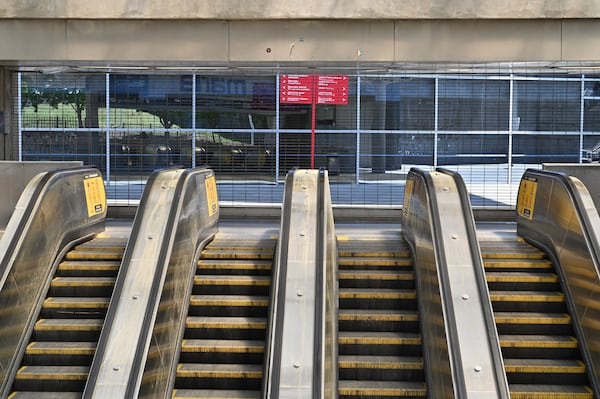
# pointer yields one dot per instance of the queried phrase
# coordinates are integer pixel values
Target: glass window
(539, 148)
(473, 104)
(457, 149)
(235, 102)
(62, 100)
(546, 105)
(62, 115)
(397, 104)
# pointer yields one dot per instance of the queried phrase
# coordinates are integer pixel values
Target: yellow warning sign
(407, 193)
(212, 198)
(526, 198)
(95, 196)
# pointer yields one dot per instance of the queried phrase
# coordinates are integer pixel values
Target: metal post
(193, 120)
(277, 128)
(510, 127)
(581, 116)
(107, 121)
(358, 82)
(20, 118)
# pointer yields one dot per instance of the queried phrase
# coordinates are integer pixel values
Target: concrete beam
(307, 9)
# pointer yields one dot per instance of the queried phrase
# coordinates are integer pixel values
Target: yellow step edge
(540, 366)
(535, 341)
(528, 297)
(88, 303)
(207, 300)
(388, 317)
(74, 349)
(558, 319)
(494, 277)
(221, 346)
(374, 275)
(73, 373)
(377, 294)
(257, 325)
(381, 364)
(379, 341)
(377, 392)
(233, 280)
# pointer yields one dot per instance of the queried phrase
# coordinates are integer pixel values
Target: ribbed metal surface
(222, 354)
(380, 352)
(541, 354)
(64, 339)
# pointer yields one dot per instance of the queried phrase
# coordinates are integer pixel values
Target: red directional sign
(309, 89)
(313, 89)
(296, 89)
(332, 89)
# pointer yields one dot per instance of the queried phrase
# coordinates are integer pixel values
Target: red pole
(312, 136)
(313, 121)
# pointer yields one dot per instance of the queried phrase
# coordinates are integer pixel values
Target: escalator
(380, 351)
(222, 353)
(64, 338)
(542, 357)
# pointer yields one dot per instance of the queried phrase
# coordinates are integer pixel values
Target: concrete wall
(166, 42)
(293, 9)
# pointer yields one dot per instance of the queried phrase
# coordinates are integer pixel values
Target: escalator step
(538, 341)
(382, 294)
(514, 277)
(372, 263)
(517, 249)
(235, 254)
(530, 391)
(222, 346)
(377, 278)
(44, 395)
(51, 378)
(82, 286)
(229, 301)
(61, 348)
(355, 252)
(366, 367)
(534, 318)
(381, 362)
(59, 353)
(214, 394)
(244, 266)
(382, 298)
(379, 389)
(232, 281)
(378, 320)
(517, 264)
(76, 306)
(89, 268)
(261, 244)
(526, 296)
(380, 338)
(219, 376)
(544, 366)
(237, 323)
(379, 343)
(93, 255)
(204, 327)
